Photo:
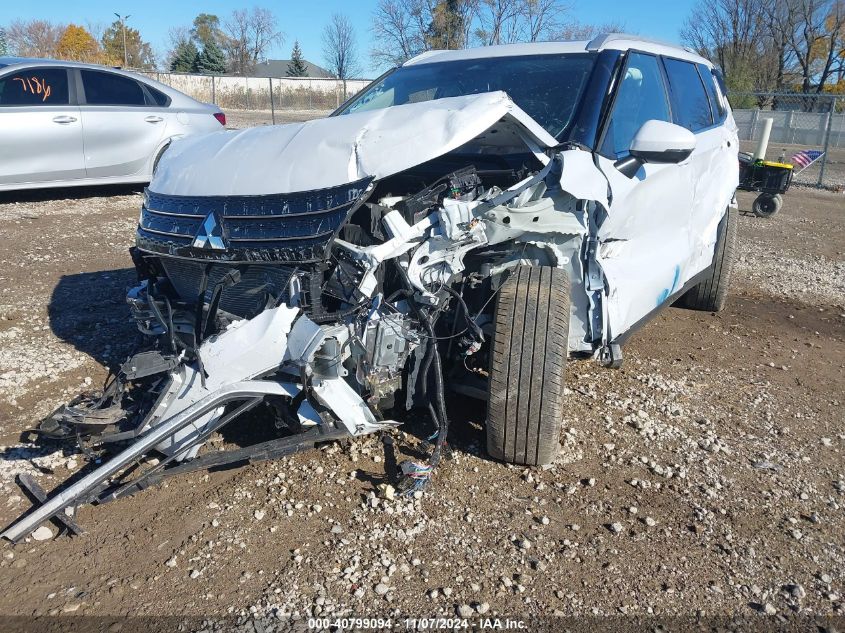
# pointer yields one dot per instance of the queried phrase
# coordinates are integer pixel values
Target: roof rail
(603, 39)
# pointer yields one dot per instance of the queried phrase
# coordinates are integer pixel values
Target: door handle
(153, 119)
(64, 119)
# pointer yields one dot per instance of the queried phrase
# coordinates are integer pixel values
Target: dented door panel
(644, 240)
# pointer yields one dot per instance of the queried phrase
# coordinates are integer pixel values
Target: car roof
(605, 41)
(30, 61)
(8, 63)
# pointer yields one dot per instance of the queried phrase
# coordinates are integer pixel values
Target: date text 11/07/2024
(417, 624)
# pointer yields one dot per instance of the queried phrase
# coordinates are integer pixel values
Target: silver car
(66, 123)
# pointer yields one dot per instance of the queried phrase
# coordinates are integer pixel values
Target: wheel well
(158, 156)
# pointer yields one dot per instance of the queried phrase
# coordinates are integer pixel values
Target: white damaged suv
(468, 222)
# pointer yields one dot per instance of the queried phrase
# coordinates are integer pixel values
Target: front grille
(245, 299)
(296, 227)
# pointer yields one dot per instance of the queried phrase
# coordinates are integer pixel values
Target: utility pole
(123, 19)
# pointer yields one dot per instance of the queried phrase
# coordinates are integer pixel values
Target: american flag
(806, 157)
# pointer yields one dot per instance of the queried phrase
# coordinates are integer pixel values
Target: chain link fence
(265, 99)
(807, 123)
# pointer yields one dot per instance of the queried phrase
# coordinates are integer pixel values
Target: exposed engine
(326, 305)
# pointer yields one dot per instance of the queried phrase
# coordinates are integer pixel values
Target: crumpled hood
(337, 150)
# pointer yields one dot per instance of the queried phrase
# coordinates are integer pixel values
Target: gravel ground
(703, 479)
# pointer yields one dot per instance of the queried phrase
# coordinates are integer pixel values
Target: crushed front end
(336, 306)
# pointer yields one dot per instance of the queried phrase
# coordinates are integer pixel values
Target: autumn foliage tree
(78, 45)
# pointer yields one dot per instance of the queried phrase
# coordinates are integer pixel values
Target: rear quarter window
(158, 97)
(718, 96)
(34, 87)
(690, 105)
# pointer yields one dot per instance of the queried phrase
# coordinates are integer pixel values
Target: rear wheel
(766, 205)
(527, 364)
(711, 294)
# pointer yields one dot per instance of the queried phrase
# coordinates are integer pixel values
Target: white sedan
(67, 124)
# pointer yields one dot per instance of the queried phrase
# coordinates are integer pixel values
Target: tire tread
(528, 360)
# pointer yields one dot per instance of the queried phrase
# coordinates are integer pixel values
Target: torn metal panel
(352, 412)
(80, 491)
(246, 350)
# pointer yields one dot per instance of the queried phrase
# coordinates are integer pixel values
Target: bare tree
(541, 18)
(467, 11)
(399, 28)
(96, 29)
(404, 28)
(732, 33)
(249, 34)
(779, 19)
(575, 30)
(449, 23)
(35, 38)
(771, 44)
(340, 49)
(498, 21)
(177, 37)
(818, 41)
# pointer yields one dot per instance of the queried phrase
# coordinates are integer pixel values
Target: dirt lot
(704, 478)
(237, 119)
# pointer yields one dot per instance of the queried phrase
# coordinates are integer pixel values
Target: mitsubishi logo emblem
(210, 234)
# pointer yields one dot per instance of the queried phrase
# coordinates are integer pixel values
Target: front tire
(711, 294)
(528, 358)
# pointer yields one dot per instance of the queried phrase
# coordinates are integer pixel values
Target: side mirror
(657, 142)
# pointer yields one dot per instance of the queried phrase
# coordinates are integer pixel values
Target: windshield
(547, 87)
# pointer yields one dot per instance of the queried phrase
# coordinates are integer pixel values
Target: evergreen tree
(211, 61)
(296, 66)
(185, 58)
(4, 44)
(446, 30)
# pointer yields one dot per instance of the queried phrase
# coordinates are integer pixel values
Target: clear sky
(304, 19)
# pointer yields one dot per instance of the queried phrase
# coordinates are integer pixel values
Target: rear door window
(35, 87)
(103, 88)
(641, 97)
(690, 106)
